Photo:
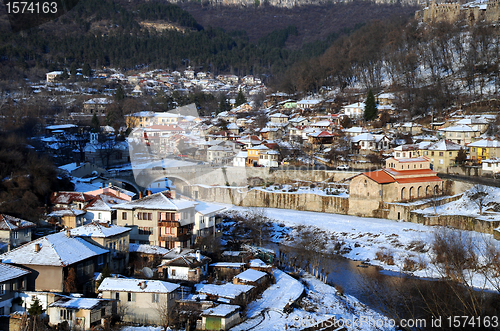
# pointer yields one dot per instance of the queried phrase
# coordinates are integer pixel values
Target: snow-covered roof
(8, 272)
(250, 275)
(485, 143)
(137, 285)
(147, 249)
(206, 208)
(67, 212)
(459, 128)
(54, 250)
(157, 201)
(11, 223)
(258, 263)
(222, 310)
(444, 145)
(227, 290)
(227, 265)
(98, 230)
(77, 303)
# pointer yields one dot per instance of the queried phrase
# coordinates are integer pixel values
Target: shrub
(385, 255)
(409, 265)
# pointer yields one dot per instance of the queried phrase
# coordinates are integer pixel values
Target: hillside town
(145, 236)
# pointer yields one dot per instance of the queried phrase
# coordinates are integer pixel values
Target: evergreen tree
(120, 93)
(370, 107)
(71, 284)
(86, 70)
(240, 98)
(36, 308)
(95, 126)
(106, 272)
(72, 70)
(223, 104)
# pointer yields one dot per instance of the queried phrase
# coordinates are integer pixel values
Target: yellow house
(254, 154)
(442, 154)
(484, 149)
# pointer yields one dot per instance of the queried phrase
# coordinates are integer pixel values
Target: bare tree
(479, 195)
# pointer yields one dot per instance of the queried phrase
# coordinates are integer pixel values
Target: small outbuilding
(222, 317)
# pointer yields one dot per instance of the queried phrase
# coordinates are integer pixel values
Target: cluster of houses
(147, 246)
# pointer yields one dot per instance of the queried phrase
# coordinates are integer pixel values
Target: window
(66, 314)
(100, 260)
(2, 289)
(131, 297)
(124, 215)
(2, 311)
(117, 295)
(432, 153)
(441, 161)
(145, 231)
(99, 216)
(441, 153)
(156, 297)
(14, 234)
(449, 153)
(173, 272)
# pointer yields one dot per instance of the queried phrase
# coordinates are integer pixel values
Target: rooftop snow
(222, 310)
(55, 250)
(227, 290)
(8, 272)
(251, 275)
(147, 249)
(97, 230)
(157, 201)
(134, 285)
(77, 303)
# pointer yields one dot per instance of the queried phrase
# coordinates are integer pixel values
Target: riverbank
(400, 247)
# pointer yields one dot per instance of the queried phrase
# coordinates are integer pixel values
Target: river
(393, 294)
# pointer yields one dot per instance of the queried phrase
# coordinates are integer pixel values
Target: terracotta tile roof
(69, 197)
(379, 176)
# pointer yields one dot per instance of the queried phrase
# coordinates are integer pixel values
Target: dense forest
(109, 33)
(436, 66)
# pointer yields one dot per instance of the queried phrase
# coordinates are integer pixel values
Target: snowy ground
(468, 206)
(297, 189)
(362, 238)
(321, 304)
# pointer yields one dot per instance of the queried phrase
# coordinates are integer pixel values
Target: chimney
(149, 192)
(143, 285)
(198, 255)
(55, 194)
(172, 194)
(37, 247)
(178, 249)
(140, 195)
(110, 185)
(68, 233)
(78, 163)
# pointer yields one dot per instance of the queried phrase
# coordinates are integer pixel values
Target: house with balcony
(484, 149)
(14, 231)
(159, 219)
(111, 237)
(12, 280)
(206, 219)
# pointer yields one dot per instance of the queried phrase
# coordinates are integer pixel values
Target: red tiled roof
(379, 176)
(69, 197)
(418, 179)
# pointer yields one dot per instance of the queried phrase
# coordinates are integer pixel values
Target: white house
(192, 267)
(240, 159)
(205, 218)
(354, 110)
(141, 301)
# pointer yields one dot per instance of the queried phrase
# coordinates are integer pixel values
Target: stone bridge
(185, 176)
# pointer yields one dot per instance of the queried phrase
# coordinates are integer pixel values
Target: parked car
(343, 167)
